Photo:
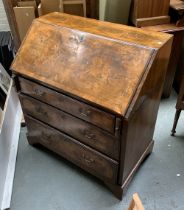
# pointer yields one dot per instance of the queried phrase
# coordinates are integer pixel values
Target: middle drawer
(78, 129)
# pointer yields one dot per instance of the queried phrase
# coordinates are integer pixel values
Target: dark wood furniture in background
(153, 14)
(179, 107)
(177, 16)
(180, 70)
(90, 91)
(177, 12)
(92, 11)
(178, 33)
(149, 12)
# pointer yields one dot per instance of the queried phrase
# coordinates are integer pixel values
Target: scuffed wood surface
(70, 61)
(107, 29)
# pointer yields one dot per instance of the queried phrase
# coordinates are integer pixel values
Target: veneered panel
(70, 61)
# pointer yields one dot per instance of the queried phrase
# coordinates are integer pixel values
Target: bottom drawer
(83, 156)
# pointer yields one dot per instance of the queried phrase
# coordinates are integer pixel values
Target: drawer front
(88, 159)
(79, 109)
(78, 129)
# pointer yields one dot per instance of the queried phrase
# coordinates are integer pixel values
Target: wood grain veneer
(90, 91)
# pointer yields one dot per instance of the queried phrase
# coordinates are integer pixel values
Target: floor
(45, 181)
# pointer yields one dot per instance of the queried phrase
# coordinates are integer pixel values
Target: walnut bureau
(90, 92)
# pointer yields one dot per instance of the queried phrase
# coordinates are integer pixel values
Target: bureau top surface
(89, 59)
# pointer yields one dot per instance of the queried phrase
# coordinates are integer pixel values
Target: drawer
(78, 129)
(83, 156)
(79, 109)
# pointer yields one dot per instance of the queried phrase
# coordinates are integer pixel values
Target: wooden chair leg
(177, 115)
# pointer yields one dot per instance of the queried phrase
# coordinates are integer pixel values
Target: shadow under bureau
(90, 91)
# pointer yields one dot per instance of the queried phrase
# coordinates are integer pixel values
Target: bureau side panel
(138, 129)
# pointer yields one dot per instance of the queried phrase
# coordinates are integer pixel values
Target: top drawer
(79, 109)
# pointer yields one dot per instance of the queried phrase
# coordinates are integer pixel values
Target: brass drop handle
(89, 135)
(47, 138)
(41, 111)
(44, 113)
(87, 159)
(85, 113)
(38, 92)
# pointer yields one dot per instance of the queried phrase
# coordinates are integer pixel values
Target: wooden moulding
(141, 22)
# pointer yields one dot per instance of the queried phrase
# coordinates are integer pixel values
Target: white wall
(4, 26)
